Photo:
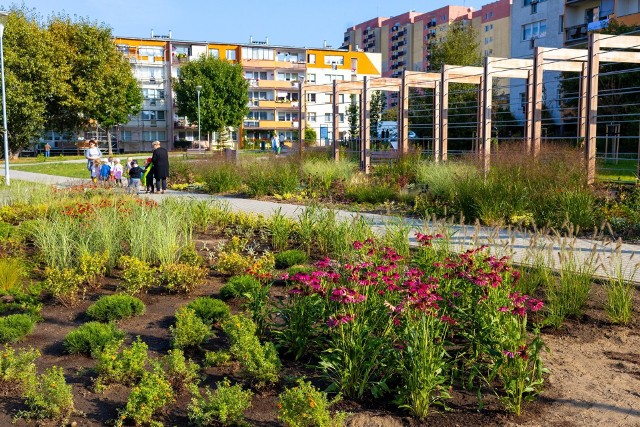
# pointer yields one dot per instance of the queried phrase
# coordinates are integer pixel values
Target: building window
(282, 76)
(125, 136)
(214, 53)
(334, 59)
(311, 97)
(231, 55)
(327, 117)
(535, 30)
(523, 102)
(311, 78)
(561, 24)
(311, 58)
(486, 28)
(257, 53)
(152, 115)
(341, 117)
(153, 135)
(530, 2)
(311, 117)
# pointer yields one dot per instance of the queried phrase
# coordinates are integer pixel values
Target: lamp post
(300, 129)
(198, 89)
(3, 21)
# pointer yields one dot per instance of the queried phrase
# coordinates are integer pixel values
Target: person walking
(92, 153)
(135, 175)
(275, 143)
(281, 143)
(47, 150)
(160, 160)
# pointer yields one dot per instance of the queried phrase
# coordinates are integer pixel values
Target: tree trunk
(109, 140)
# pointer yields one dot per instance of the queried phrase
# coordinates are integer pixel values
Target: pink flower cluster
(344, 295)
(426, 239)
(340, 319)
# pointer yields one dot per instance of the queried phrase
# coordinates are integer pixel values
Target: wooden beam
(465, 71)
(334, 123)
(466, 79)
(385, 83)
(512, 63)
(487, 86)
(404, 102)
(618, 41)
(401, 112)
(593, 66)
(565, 54)
(319, 88)
(570, 66)
(436, 124)
(512, 74)
(444, 112)
(582, 105)
(538, 62)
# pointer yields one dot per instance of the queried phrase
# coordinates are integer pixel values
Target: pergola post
(364, 134)
(479, 121)
(538, 71)
(593, 67)
(444, 111)
(334, 123)
(528, 114)
(403, 136)
(582, 105)
(487, 91)
(436, 123)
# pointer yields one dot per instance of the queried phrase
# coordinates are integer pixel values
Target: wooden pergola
(586, 62)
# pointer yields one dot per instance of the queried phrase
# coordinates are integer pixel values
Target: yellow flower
(312, 403)
(113, 358)
(53, 385)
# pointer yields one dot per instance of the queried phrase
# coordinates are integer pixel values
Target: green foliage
(619, 304)
(306, 406)
(567, 296)
(233, 262)
(115, 307)
(322, 174)
(223, 98)
(216, 358)
(117, 365)
(151, 394)
(310, 136)
(17, 365)
(366, 192)
(209, 310)
(259, 362)
(353, 117)
(237, 286)
(137, 276)
(189, 330)
(181, 278)
(181, 372)
(49, 396)
(92, 267)
(224, 406)
(14, 327)
(281, 178)
(64, 285)
(280, 228)
(92, 337)
(377, 104)
(221, 178)
(11, 274)
(290, 258)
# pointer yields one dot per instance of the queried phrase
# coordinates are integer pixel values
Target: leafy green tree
(378, 101)
(98, 83)
(310, 135)
(390, 114)
(223, 98)
(353, 118)
(30, 77)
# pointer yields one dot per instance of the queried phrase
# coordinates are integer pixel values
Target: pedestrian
(135, 175)
(95, 170)
(281, 142)
(47, 150)
(160, 160)
(117, 172)
(275, 143)
(147, 176)
(91, 154)
(105, 171)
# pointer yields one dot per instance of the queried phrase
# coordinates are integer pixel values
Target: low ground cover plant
(14, 327)
(92, 337)
(137, 275)
(180, 371)
(237, 286)
(209, 310)
(148, 396)
(306, 406)
(115, 307)
(48, 396)
(189, 330)
(181, 278)
(290, 258)
(119, 364)
(17, 366)
(223, 406)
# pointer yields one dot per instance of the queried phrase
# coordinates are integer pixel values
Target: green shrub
(221, 178)
(64, 284)
(305, 406)
(152, 393)
(233, 263)
(180, 371)
(370, 193)
(92, 337)
(189, 255)
(619, 304)
(15, 327)
(291, 257)
(225, 406)
(295, 269)
(92, 267)
(117, 365)
(137, 276)
(17, 365)
(279, 178)
(5, 230)
(189, 330)
(115, 307)
(209, 310)
(238, 285)
(49, 396)
(216, 358)
(260, 362)
(182, 278)
(11, 274)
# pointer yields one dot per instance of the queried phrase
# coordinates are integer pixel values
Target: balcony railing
(575, 34)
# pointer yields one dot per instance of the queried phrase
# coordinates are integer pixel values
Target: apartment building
(274, 74)
(582, 16)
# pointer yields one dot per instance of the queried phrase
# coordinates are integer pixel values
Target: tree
(310, 136)
(223, 98)
(98, 84)
(378, 101)
(390, 114)
(29, 78)
(353, 118)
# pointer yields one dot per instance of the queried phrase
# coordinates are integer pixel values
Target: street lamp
(300, 129)
(3, 21)
(198, 89)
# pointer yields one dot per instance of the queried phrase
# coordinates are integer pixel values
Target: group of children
(111, 172)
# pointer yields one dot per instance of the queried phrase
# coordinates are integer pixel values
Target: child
(147, 177)
(95, 170)
(117, 172)
(128, 166)
(105, 171)
(135, 174)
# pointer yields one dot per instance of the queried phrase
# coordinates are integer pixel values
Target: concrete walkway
(608, 258)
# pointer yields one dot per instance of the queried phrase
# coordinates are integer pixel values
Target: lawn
(71, 170)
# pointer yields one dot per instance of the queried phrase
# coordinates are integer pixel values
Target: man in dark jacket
(160, 160)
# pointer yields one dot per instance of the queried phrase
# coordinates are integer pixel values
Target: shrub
(370, 193)
(225, 406)
(181, 278)
(11, 273)
(209, 310)
(117, 365)
(189, 255)
(221, 177)
(295, 269)
(152, 393)
(180, 371)
(15, 327)
(115, 307)
(92, 337)
(189, 330)
(619, 304)
(278, 178)
(17, 365)
(92, 267)
(260, 362)
(137, 275)
(233, 263)
(305, 406)
(216, 358)
(238, 285)
(63, 284)
(291, 257)
(49, 396)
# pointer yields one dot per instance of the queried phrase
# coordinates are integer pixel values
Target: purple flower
(509, 354)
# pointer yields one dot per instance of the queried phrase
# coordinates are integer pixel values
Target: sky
(284, 22)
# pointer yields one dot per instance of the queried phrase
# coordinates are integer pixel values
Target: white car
(393, 139)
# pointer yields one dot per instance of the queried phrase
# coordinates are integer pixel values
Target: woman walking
(160, 160)
(92, 153)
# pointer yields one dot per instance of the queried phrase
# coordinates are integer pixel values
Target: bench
(384, 156)
(196, 152)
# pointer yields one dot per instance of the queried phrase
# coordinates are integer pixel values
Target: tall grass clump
(321, 174)
(56, 239)
(280, 229)
(619, 303)
(221, 177)
(11, 274)
(281, 177)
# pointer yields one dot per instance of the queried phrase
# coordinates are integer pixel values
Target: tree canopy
(223, 98)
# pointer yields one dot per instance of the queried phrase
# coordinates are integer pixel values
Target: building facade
(274, 74)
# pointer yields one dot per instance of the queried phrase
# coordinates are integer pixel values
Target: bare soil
(594, 377)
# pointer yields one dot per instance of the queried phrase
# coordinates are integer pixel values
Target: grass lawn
(71, 170)
(624, 171)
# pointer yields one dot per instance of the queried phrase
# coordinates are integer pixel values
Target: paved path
(523, 247)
